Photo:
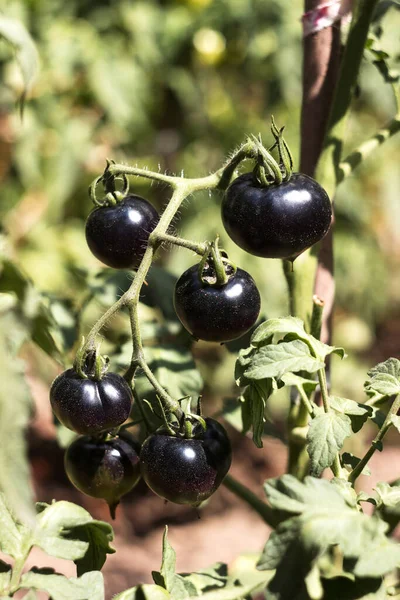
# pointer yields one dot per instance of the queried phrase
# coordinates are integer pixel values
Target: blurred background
(175, 85)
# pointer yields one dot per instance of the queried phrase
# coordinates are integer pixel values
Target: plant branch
(324, 389)
(199, 248)
(306, 401)
(376, 442)
(355, 158)
(267, 514)
(182, 188)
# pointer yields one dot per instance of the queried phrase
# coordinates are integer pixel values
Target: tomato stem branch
(357, 156)
(266, 512)
(182, 188)
(199, 248)
(376, 442)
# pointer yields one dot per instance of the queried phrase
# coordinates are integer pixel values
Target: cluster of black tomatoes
(276, 221)
(104, 465)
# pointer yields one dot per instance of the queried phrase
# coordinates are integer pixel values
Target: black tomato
(90, 406)
(186, 471)
(117, 235)
(103, 469)
(217, 313)
(278, 221)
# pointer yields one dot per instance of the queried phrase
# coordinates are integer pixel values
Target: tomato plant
(127, 339)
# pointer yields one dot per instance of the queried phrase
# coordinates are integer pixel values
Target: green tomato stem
(222, 277)
(267, 514)
(357, 156)
(182, 188)
(376, 441)
(199, 248)
(316, 317)
(324, 389)
(306, 401)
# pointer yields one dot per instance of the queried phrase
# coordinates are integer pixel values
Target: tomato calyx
(192, 425)
(215, 268)
(90, 364)
(112, 196)
(267, 170)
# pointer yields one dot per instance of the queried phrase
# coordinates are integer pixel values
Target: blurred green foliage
(175, 84)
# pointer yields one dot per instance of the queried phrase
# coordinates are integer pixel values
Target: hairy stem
(182, 188)
(376, 442)
(355, 158)
(199, 248)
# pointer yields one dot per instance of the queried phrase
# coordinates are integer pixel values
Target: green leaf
(167, 578)
(388, 496)
(278, 544)
(98, 536)
(108, 285)
(358, 413)
(242, 362)
(255, 397)
(12, 534)
(15, 413)
(14, 33)
(349, 461)
(292, 497)
(277, 359)
(291, 328)
(325, 437)
(212, 578)
(264, 334)
(34, 311)
(297, 381)
(384, 378)
(66, 530)
(381, 558)
(387, 503)
(144, 592)
(346, 490)
(395, 421)
(88, 587)
(306, 541)
(5, 576)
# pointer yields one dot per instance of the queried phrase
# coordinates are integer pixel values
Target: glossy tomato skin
(217, 313)
(90, 406)
(186, 471)
(117, 235)
(279, 221)
(105, 469)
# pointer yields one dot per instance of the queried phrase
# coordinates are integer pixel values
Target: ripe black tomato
(186, 471)
(278, 221)
(117, 235)
(217, 313)
(105, 469)
(88, 405)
